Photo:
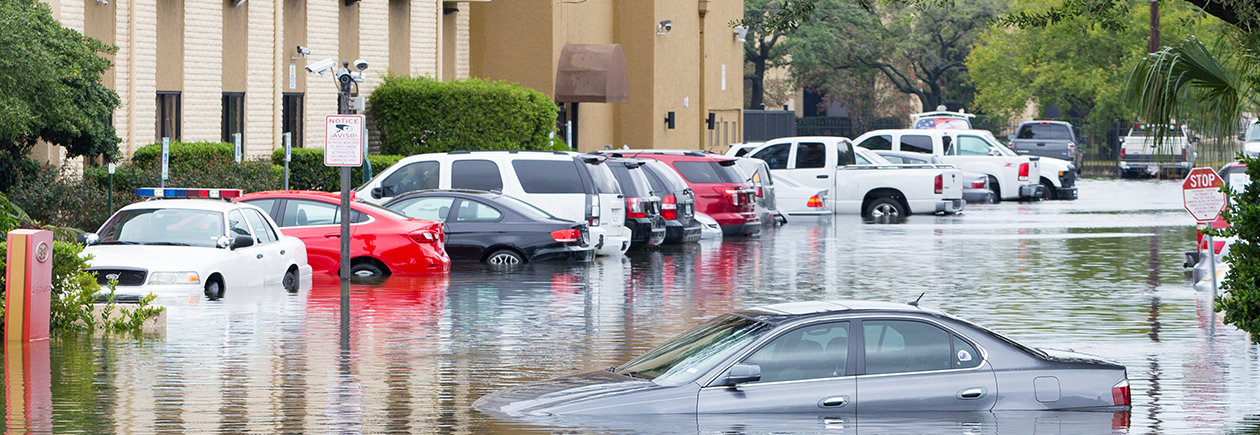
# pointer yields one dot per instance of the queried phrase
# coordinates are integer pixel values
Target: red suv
(720, 188)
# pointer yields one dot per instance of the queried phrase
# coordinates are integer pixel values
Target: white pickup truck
(1012, 177)
(1141, 154)
(860, 181)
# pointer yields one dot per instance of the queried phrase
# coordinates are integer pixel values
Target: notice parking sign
(343, 140)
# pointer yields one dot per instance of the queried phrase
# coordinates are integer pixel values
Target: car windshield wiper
(118, 242)
(168, 243)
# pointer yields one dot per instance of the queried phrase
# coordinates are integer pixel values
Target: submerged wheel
(290, 280)
(366, 270)
(1047, 189)
(505, 257)
(214, 289)
(997, 190)
(885, 208)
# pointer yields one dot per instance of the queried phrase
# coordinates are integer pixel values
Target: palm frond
(1187, 83)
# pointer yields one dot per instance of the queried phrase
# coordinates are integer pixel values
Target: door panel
(807, 396)
(909, 365)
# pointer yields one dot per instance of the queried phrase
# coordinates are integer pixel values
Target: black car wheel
(214, 289)
(505, 257)
(366, 270)
(1047, 189)
(885, 208)
(290, 281)
(997, 190)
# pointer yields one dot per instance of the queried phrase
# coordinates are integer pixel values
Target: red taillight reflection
(567, 236)
(939, 184)
(669, 207)
(814, 202)
(1120, 393)
(1023, 172)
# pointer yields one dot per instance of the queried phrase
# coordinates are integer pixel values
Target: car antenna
(915, 303)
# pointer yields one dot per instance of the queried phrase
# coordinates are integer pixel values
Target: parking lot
(1100, 275)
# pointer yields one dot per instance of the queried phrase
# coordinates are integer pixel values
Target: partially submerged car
(838, 357)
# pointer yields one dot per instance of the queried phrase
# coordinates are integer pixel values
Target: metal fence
(763, 125)
(1100, 152)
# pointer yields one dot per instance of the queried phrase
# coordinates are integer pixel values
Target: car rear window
(916, 143)
(882, 142)
(1044, 131)
(548, 176)
(475, 175)
(629, 183)
(603, 177)
(708, 172)
(668, 179)
(414, 176)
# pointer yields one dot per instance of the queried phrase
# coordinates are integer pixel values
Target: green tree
(765, 45)
(50, 89)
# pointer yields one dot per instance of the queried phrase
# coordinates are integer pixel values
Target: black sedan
(838, 358)
(495, 228)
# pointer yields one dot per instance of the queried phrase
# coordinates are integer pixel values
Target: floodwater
(1100, 275)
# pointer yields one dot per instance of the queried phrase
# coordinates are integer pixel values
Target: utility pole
(1154, 26)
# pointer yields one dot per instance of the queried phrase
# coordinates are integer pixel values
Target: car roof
(691, 155)
(822, 307)
(191, 204)
(804, 138)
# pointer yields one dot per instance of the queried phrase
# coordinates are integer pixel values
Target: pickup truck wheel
(1047, 189)
(885, 208)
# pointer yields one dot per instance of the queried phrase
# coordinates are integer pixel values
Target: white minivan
(573, 186)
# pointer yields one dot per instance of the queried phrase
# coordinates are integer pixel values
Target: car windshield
(528, 209)
(694, 353)
(163, 226)
(1151, 130)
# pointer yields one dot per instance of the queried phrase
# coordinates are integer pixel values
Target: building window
(168, 116)
(293, 115)
(233, 115)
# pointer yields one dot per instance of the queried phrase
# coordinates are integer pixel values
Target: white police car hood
(153, 258)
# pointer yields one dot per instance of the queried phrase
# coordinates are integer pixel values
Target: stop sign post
(1204, 199)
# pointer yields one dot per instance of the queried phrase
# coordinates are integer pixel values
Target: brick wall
(268, 73)
(202, 96)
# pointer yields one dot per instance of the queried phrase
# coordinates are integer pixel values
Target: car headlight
(166, 278)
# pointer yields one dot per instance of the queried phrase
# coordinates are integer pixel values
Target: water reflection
(1100, 275)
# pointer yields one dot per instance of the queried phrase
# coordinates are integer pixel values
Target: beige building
(207, 70)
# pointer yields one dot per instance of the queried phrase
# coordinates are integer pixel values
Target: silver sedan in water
(838, 357)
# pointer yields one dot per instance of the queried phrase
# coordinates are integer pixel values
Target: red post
(29, 278)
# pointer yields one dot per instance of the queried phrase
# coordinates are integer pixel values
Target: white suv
(572, 186)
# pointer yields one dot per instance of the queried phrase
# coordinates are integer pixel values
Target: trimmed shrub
(184, 152)
(418, 115)
(307, 170)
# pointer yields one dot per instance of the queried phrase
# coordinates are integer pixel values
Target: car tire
(997, 190)
(366, 270)
(290, 280)
(885, 208)
(214, 289)
(505, 257)
(1047, 190)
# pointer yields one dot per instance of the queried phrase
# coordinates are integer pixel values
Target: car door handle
(834, 402)
(972, 393)
(821, 176)
(259, 256)
(329, 236)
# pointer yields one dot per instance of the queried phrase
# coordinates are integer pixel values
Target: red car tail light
(1185, 154)
(1023, 172)
(669, 207)
(814, 202)
(980, 183)
(939, 184)
(1121, 152)
(567, 236)
(732, 195)
(1120, 393)
(425, 236)
(592, 216)
(635, 207)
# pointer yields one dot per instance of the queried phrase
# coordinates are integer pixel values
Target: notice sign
(1203, 195)
(343, 140)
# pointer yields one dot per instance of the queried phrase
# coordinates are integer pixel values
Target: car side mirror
(376, 193)
(242, 242)
(223, 242)
(740, 374)
(88, 239)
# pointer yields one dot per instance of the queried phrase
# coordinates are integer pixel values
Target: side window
(264, 231)
(435, 208)
(882, 142)
(811, 155)
(474, 211)
(264, 204)
(810, 352)
(916, 143)
(237, 225)
(548, 176)
(414, 176)
(947, 143)
(846, 152)
(894, 159)
(972, 146)
(900, 346)
(476, 175)
(965, 355)
(776, 155)
(861, 160)
(302, 213)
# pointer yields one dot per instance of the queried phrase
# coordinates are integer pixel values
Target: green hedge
(185, 152)
(418, 115)
(307, 170)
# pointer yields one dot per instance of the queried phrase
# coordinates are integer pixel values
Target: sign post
(1205, 200)
(288, 157)
(166, 156)
(343, 147)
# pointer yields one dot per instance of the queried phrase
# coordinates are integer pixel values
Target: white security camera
(741, 33)
(303, 50)
(360, 64)
(321, 67)
(665, 27)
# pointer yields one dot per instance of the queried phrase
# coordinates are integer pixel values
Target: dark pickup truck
(1055, 139)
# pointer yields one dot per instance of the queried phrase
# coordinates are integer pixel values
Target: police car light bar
(152, 192)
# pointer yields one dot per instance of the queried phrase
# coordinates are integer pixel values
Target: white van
(570, 185)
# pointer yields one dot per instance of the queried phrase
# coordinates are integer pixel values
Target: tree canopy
(765, 45)
(50, 88)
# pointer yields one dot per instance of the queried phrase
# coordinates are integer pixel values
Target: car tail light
(635, 208)
(1071, 149)
(592, 217)
(1120, 393)
(759, 195)
(732, 195)
(939, 184)
(1121, 152)
(425, 236)
(980, 183)
(1184, 154)
(567, 236)
(669, 207)
(1023, 172)
(814, 202)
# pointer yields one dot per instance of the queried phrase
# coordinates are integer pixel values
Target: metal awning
(592, 73)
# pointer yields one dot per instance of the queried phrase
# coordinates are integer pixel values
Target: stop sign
(1203, 195)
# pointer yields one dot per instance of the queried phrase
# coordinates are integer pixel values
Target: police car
(188, 241)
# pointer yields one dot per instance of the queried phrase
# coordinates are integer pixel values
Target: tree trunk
(758, 84)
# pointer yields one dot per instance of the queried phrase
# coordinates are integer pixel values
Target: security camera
(666, 26)
(321, 67)
(303, 50)
(360, 64)
(741, 33)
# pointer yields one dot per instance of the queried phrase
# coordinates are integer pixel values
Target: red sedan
(382, 242)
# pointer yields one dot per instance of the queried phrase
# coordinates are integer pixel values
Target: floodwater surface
(1101, 275)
